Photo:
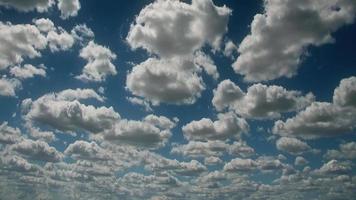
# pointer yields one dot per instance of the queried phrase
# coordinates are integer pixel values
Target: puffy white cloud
(240, 165)
(205, 62)
(44, 24)
(28, 5)
(8, 134)
(230, 49)
(138, 133)
(227, 126)
(99, 64)
(68, 8)
(59, 40)
(345, 93)
(292, 145)
(280, 36)
(334, 167)
(84, 150)
(346, 151)
(174, 28)
(240, 148)
(300, 161)
(8, 87)
(171, 81)
(64, 112)
(28, 71)
(19, 42)
(37, 150)
(160, 121)
(82, 34)
(140, 102)
(212, 160)
(201, 149)
(260, 101)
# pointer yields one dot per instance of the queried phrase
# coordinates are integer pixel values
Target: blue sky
(165, 99)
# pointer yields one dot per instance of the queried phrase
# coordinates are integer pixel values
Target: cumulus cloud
(28, 5)
(300, 161)
(346, 151)
(297, 25)
(345, 93)
(8, 134)
(292, 145)
(44, 24)
(140, 102)
(260, 101)
(227, 126)
(82, 34)
(8, 87)
(28, 71)
(334, 167)
(171, 81)
(84, 150)
(64, 112)
(59, 40)
(99, 64)
(240, 165)
(37, 150)
(201, 149)
(179, 28)
(138, 133)
(68, 8)
(13, 50)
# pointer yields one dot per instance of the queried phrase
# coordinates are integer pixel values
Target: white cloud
(345, 93)
(201, 149)
(8, 87)
(300, 161)
(171, 81)
(8, 134)
(28, 5)
(83, 150)
(292, 145)
(280, 36)
(227, 126)
(230, 49)
(28, 71)
(44, 24)
(140, 102)
(68, 8)
(13, 50)
(37, 150)
(180, 28)
(334, 167)
(159, 121)
(238, 165)
(99, 64)
(59, 40)
(346, 151)
(212, 160)
(260, 101)
(64, 112)
(82, 34)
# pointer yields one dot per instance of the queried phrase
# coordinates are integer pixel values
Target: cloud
(13, 50)
(8, 134)
(323, 119)
(300, 161)
(17, 163)
(240, 165)
(346, 151)
(64, 112)
(99, 64)
(292, 145)
(82, 33)
(297, 25)
(8, 87)
(171, 81)
(83, 150)
(44, 25)
(334, 167)
(142, 134)
(28, 5)
(260, 101)
(68, 8)
(37, 150)
(201, 149)
(59, 40)
(212, 160)
(180, 28)
(140, 102)
(28, 71)
(227, 126)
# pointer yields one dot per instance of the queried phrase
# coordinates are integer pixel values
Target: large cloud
(227, 126)
(84, 150)
(64, 112)
(99, 64)
(292, 145)
(8, 87)
(280, 36)
(171, 28)
(28, 5)
(322, 119)
(8, 134)
(260, 101)
(28, 71)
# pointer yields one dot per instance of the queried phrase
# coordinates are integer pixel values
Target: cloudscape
(177, 99)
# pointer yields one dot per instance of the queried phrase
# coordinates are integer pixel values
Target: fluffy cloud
(300, 161)
(292, 145)
(346, 151)
(28, 71)
(59, 40)
(8, 87)
(201, 149)
(322, 119)
(138, 133)
(8, 134)
(28, 5)
(227, 126)
(260, 101)
(238, 165)
(37, 150)
(334, 167)
(180, 28)
(82, 34)
(140, 102)
(64, 112)
(13, 50)
(44, 24)
(297, 25)
(170, 81)
(87, 151)
(99, 64)
(68, 8)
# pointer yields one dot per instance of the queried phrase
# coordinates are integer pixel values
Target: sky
(169, 99)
